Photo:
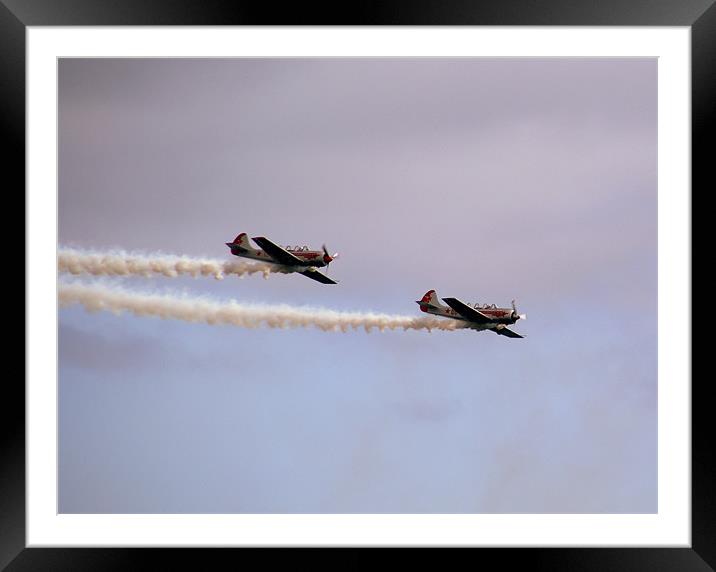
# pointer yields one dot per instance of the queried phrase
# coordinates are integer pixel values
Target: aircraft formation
(303, 260)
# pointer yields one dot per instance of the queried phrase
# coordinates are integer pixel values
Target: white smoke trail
(99, 297)
(124, 264)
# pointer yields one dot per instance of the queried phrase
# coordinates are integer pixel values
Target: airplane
(478, 316)
(297, 258)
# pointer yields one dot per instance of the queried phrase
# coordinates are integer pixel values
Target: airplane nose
(327, 257)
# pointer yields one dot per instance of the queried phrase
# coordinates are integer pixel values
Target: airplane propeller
(327, 258)
(515, 315)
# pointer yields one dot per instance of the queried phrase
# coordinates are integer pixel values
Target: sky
(484, 179)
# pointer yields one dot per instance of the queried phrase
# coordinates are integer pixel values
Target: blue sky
(486, 180)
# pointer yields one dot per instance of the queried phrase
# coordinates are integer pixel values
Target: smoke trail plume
(124, 264)
(99, 297)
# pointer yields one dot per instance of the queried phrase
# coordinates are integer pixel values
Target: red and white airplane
(478, 316)
(295, 258)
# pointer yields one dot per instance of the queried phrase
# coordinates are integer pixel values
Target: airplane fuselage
(307, 257)
(497, 316)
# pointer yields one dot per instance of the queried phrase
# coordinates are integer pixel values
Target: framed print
(486, 150)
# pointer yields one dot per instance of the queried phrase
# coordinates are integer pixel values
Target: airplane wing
(279, 254)
(507, 332)
(466, 311)
(316, 275)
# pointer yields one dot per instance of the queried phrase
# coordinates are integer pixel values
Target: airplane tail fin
(429, 300)
(241, 244)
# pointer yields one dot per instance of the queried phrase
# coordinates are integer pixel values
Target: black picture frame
(17, 15)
